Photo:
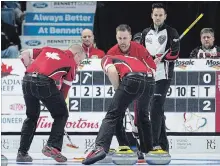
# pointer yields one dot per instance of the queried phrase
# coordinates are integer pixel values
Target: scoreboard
(195, 87)
(192, 104)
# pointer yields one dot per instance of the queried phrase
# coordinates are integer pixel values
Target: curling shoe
(54, 153)
(95, 155)
(23, 157)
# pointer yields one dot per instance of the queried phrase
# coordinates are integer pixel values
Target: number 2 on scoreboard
(74, 105)
(207, 105)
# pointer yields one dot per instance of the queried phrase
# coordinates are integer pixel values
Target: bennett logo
(211, 144)
(40, 5)
(184, 64)
(33, 42)
(213, 63)
(73, 4)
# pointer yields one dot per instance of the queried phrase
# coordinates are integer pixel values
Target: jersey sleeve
(147, 58)
(67, 81)
(173, 53)
(143, 35)
(36, 52)
(106, 63)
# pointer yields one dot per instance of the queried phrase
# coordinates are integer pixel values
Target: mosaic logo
(214, 64)
(184, 64)
(85, 63)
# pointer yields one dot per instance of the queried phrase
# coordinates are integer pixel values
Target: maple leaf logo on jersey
(6, 70)
(53, 55)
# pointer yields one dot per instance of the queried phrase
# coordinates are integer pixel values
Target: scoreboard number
(207, 105)
(75, 91)
(169, 92)
(109, 91)
(181, 91)
(74, 105)
(86, 91)
(98, 91)
(76, 78)
(207, 78)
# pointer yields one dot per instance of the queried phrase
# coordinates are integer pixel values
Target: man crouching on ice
(132, 80)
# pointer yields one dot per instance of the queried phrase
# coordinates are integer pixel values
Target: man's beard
(124, 48)
(206, 47)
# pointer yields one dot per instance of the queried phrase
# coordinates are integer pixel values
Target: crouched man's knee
(13, 51)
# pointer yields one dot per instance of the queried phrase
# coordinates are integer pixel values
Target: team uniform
(93, 52)
(38, 84)
(135, 50)
(200, 53)
(136, 82)
(157, 42)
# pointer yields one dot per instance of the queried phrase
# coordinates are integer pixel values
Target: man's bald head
(76, 48)
(79, 53)
(87, 37)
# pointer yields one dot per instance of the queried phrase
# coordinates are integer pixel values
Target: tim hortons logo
(43, 122)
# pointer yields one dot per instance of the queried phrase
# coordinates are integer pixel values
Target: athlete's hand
(26, 58)
(157, 60)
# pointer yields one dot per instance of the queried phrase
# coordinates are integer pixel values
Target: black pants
(131, 87)
(120, 134)
(44, 89)
(157, 114)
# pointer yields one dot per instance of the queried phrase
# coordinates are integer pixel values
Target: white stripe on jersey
(57, 72)
(107, 66)
(153, 71)
(67, 82)
(119, 63)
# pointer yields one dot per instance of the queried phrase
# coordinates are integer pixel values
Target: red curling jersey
(135, 50)
(125, 64)
(54, 63)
